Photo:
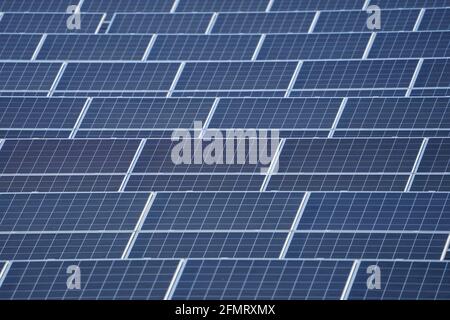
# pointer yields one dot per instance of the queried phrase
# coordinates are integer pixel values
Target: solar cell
(268, 279)
(348, 245)
(376, 212)
(70, 211)
(405, 280)
(223, 211)
(108, 279)
(208, 245)
(39, 246)
(94, 47)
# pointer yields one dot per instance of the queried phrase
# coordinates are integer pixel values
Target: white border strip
(369, 45)
(350, 280)
(211, 23)
(259, 46)
(4, 271)
(273, 163)
(444, 252)
(269, 5)
(1, 15)
(132, 165)
(338, 117)
(175, 279)
(209, 117)
(366, 5)
(175, 80)
(2, 142)
(314, 22)
(419, 20)
(415, 167)
(414, 78)
(58, 77)
(102, 20)
(149, 47)
(80, 118)
(293, 79)
(138, 227)
(174, 6)
(294, 226)
(39, 46)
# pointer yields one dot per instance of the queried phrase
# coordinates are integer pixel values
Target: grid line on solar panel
(110, 279)
(396, 212)
(405, 280)
(360, 245)
(270, 279)
(70, 211)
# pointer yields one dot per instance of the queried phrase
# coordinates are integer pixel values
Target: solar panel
(110, 279)
(35, 5)
(436, 156)
(221, 5)
(125, 6)
(268, 279)
(18, 47)
(435, 19)
(27, 76)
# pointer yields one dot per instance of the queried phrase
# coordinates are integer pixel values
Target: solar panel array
(363, 164)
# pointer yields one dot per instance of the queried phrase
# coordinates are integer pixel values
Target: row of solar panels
(224, 47)
(236, 211)
(226, 279)
(182, 23)
(340, 77)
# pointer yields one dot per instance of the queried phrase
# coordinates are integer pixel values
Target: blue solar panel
(413, 3)
(376, 212)
(110, 279)
(35, 5)
(93, 47)
(203, 47)
(433, 74)
(436, 157)
(160, 23)
(125, 6)
(208, 245)
(405, 280)
(299, 5)
(70, 211)
(223, 211)
(348, 245)
(267, 280)
(221, 5)
(272, 22)
(435, 19)
(18, 47)
(67, 156)
(27, 76)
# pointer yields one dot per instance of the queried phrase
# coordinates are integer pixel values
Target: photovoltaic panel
(268, 279)
(221, 5)
(338, 182)
(385, 113)
(273, 22)
(411, 45)
(376, 212)
(117, 77)
(348, 245)
(66, 156)
(38, 246)
(27, 76)
(108, 279)
(60, 183)
(203, 47)
(46, 23)
(160, 23)
(275, 113)
(436, 157)
(413, 3)
(435, 19)
(208, 245)
(236, 76)
(39, 113)
(35, 5)
(70, 211)
(434, 74)
(313, 46)
(145, 113)
(195, 182)
(18, 47)
(405, 280)
(356, 21)
(349, 155)
(94, 47)
(126, 6)
(223, 211)
(315, 75)
(433, 182)
(301, 5)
